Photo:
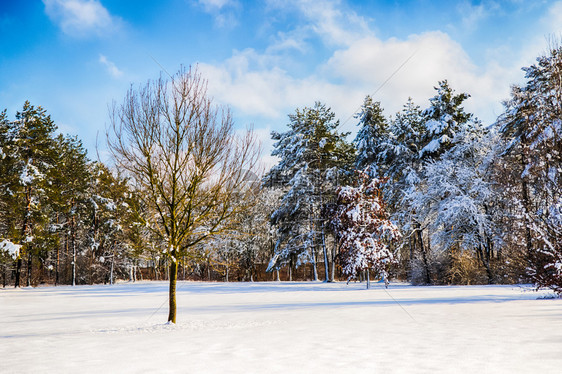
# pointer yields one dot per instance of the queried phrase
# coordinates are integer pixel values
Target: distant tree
(456, 196)
(314, 157)
(111, 221)
(372, 138)
(68, 202)
(444, 118)
(440, 124)
(403, 167)
(532, 128)
(27, 159)
(364, 229)
(182, 155)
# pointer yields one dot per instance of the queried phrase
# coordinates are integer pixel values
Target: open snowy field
(280, 328)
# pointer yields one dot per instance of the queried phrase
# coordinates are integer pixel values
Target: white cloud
(212, 5)
(369, 62)
(553, 20)
(259, 84)
(224, 11)
(472, 15)
(110, 66)
(79, 18)
(327, 19)
(254, 85)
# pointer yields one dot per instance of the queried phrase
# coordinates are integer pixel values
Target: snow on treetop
(431, 147)
(13, 249)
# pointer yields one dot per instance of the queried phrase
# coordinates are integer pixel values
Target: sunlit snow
(280, 328)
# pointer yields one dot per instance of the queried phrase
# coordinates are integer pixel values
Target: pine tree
(443, 120)
(457, 194)
(372, 138)
(404, 171)
(70, 210)
(313, 156)
(532, 128)
(28, 149)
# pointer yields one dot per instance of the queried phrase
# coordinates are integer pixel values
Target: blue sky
(265, 58)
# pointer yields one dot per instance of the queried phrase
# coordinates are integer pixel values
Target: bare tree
(185, 160)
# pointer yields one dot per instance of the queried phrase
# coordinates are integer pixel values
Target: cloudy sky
(266, 58)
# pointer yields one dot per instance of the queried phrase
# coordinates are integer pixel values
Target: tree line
(428, 195)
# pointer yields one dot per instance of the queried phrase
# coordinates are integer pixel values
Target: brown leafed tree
(185, 160)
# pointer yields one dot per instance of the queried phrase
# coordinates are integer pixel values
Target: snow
(13, 249)
(431, 147)
(280, 328)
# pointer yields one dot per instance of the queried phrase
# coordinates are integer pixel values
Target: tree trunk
(312, 247)
(24, 231)
(314, 268)
(18, 272)
(111, 269)
(57, 266)
(485, 258)
(526, 205)
(73, 238)
(334, 254)
(29, 259)
(172, 296)
(324, 249)
(423, 253)
(368, 278)
(291, 270)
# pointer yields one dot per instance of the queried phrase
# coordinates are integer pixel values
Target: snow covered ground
(280, 328)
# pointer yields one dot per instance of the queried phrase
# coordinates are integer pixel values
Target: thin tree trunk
(57, 266)
(312, 248)
(29, 259)
(24, 229)
(333, 268)
(485, 258)
(73, 238)
(526, 205)
(112, 265)
(18, 272)
(291, 270)
(423, 253)
(324, 249)
(172, 296)
(314, 269)
(368, 278)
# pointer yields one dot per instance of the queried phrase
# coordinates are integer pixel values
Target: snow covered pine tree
(364, 229)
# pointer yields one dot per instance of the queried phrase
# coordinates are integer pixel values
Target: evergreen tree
(70, 211)
(27, 160)
(456, 196)
(314, 157)
(532, 128)
(372, 138)
(442, 121)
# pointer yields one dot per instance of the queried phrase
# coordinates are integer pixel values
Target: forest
(429, 195)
